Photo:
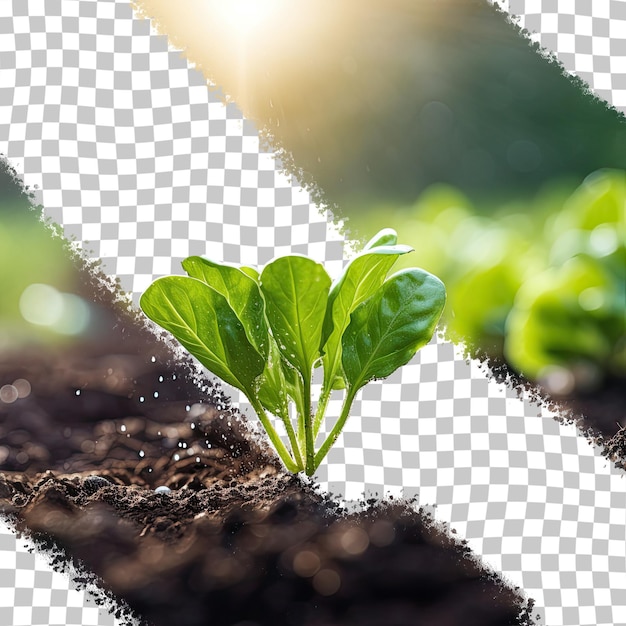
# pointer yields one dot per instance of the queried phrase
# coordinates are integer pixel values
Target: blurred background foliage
(540, 284)
(379, 99)
(37, 277)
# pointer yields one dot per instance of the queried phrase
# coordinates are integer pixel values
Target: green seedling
(266, 333)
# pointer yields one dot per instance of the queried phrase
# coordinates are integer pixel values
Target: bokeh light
(64, 313)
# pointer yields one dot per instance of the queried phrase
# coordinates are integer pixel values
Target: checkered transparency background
(143, 165)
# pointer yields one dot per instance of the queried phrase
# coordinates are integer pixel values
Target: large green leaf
(388, 329)
(361, 278)
(205, 324)
(241, 291)
(295, 289)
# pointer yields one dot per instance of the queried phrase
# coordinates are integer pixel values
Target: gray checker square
(143, 165)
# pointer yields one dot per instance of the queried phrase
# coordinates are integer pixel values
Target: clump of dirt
(615, 448)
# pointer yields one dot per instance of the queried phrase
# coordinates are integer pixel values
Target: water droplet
(193, 426)
(187, 408)
(142, 453)
(153, 359)
(173, 376)
(141, 399)
(176, 457)
(160, 379)
(156, 394)
(78, 392)
(162, 489)
(158, 433)
(123, 428)
(197, 459)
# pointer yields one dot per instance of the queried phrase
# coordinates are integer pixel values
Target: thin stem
(279, 446)
(308, 427)
(301, 426)
(293, 441)
(337, 428)
(322, 403)
(298, 401)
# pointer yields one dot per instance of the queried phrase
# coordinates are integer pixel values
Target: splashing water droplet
(176, 457)
(160, 379)
(156, 394)
(78, 392)
(142, 453)
(153, 359)
(123, 428)
(141, 399)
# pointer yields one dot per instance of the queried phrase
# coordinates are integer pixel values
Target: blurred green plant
(35, 274)
(542, 286)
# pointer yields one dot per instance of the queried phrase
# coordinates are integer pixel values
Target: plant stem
(337, 428)
(321, 410)
(308, 427)
(295, 447)
(279, 446)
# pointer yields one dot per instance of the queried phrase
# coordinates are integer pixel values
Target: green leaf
(385, 237)
(361, 278)
(241, 291)
(250, 271)
(388, 329)
(295, 289)
(205, 324)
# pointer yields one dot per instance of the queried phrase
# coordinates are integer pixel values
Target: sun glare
(244, 16)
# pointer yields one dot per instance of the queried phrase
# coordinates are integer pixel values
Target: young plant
(265, 333)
